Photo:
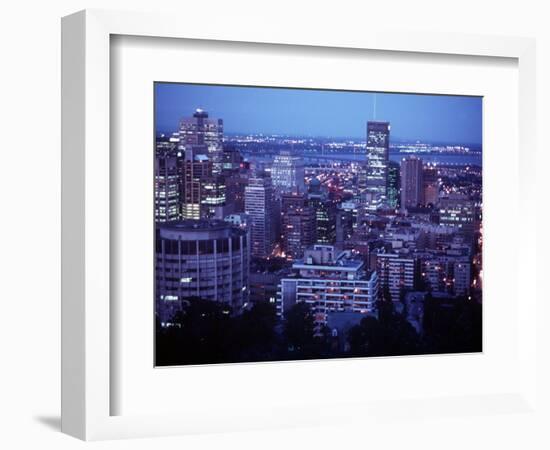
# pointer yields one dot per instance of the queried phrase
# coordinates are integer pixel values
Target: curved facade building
(208, 259)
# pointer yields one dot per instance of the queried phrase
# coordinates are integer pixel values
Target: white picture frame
(86, 217)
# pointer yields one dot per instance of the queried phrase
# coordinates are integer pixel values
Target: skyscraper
(431, 185)
(202, 130)
(412, 184)
(167, 188)
(288, 173)
(394, 185)
(325, 218)
(259, 205)
(299, 221)
(197, 168)
(376, 170)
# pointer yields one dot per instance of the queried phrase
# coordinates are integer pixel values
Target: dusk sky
(429, 118)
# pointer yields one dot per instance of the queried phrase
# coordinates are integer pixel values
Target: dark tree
(299, 328)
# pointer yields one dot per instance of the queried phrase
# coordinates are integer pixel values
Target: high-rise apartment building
(330, 282)
(397, 273)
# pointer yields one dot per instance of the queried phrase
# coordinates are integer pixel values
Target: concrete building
(259, 205)
(207, 259)
(458, 213)
(397, 272)
(412, 182)
(298, 225)
(431, 185)
(329, 281)
(288, 173)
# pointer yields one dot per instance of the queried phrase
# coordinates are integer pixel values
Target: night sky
(298, 112)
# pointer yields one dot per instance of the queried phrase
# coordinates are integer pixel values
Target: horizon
(322, 114)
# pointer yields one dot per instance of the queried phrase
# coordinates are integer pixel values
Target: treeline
(206, 332)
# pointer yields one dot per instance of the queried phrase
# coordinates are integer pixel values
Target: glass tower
(376, 180)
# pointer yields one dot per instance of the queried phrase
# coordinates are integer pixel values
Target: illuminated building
(259, 205)
(298, 225)
(397, 273)
(287, 173)
(202, 130)
(167, 188)
(200, 259)
(325, 218)
(458, 213)
(196, 169)
(394, 185)
(330, 282)
(346, 221)
(376, 170)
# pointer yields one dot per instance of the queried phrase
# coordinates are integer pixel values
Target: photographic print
(301, 224)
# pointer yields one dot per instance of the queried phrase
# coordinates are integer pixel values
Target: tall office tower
(202, 259)
(394, 185)
(325, 218)
(288, 173)
(167, 188)
(213, 197)
(196, 169)
(346, 223)
(298, 225)
(202, 130)
(235, 184)
(331, 282)
(431, 185)
(291, 201)
(412, 184)
(397, 273)
(459, 213)
(259, 205)
(376, 170)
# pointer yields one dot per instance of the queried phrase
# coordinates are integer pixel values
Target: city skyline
(430, 118)
(271, 248)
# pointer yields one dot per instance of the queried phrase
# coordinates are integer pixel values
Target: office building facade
(259, 205)
(207, 259)
(412, 182)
